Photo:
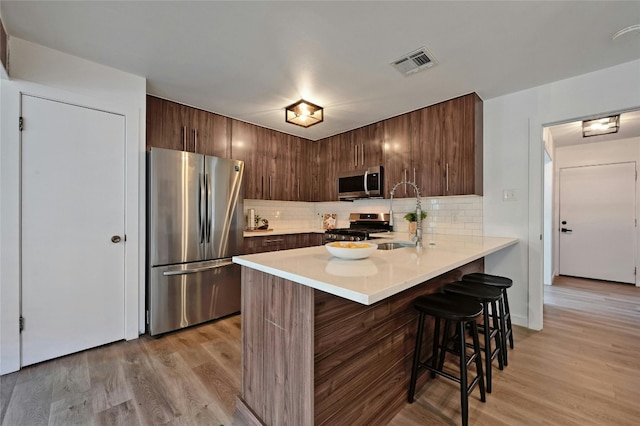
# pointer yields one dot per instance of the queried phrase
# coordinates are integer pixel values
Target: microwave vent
(415, 61)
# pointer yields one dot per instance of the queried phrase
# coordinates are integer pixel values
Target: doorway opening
(567, 153)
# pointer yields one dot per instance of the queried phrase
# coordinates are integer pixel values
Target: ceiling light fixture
(304, 113)
(600, 126)
(633, 30)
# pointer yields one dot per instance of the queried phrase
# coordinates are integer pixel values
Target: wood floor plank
(30, 403)
(7, 385)
(72, 409)
(109, 386)
(121, 414)
(148, 386)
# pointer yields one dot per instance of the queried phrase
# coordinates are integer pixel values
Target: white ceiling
(567, 134)
(248, 60)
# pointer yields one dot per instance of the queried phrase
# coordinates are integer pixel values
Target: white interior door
(72, 204)
(597, 222)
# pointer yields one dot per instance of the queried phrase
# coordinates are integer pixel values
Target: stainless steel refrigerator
(195, 219)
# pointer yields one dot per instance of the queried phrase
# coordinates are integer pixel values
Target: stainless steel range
(361, 226)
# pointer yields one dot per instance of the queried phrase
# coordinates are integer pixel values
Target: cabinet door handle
(298, 189)
(184, 138)
(405, 185)
(447, 173)
(195, 140)
(278, 240)
(270, 197)
(355, 155)
(362, 153)
(414, 175)
(262, 186)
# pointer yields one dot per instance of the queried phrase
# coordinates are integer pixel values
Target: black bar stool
(503, 283)
(460, 311)
(485, 295)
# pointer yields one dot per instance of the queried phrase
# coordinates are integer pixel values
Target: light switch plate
(509, 195)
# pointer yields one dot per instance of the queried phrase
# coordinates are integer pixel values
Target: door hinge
(125, 237)
(147, 317)
(20, 124)
(21, 323)
(635, 270)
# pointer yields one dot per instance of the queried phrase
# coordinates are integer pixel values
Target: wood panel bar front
(310, 357)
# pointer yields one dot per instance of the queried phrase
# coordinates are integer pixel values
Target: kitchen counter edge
(264, 262)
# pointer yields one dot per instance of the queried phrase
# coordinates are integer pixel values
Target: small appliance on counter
(361, 226)
(329, 221)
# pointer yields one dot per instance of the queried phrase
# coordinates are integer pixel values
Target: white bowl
(360, 250)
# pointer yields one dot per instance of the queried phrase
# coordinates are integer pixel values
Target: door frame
(535, 292)
(10, 220)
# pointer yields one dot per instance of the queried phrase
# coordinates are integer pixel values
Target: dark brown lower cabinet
(331, 361)
(265, 243)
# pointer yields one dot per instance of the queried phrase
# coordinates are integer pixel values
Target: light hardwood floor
(582, 369)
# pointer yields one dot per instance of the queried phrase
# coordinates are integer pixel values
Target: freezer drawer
(183, 295)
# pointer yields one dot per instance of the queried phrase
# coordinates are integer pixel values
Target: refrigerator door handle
(202, 211)
(207, 180)
(219, 264)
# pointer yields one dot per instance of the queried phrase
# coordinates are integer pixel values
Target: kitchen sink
(393, 246)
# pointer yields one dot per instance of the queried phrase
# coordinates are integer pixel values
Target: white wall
(456, 215)
(51, 74)
(513, 147)
(591, 154)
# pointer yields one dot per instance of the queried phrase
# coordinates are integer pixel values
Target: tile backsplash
(458, 215)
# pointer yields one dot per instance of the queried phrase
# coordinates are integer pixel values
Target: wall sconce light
(600, 126)
(303, 113)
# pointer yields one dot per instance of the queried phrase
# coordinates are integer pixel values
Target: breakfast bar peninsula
(328, 340)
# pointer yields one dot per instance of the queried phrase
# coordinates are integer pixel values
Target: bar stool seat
(486, 295)
(461, 311)
(502, 283)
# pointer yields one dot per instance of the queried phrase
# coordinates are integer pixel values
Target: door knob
(565, 230)
(116, 239)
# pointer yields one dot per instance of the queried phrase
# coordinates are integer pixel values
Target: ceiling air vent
(414, 61)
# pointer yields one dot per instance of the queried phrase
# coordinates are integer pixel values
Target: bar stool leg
(503, 327)
(499, 334)
(436, 342)
(476, 343)
(487, 343)
(445, 344)
(464, 392)
(416, 358)
(508, 312)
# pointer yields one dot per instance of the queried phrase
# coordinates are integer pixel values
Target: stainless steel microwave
(365, 183)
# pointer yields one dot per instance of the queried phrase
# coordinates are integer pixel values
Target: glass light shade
(600, 126)
(304, 113)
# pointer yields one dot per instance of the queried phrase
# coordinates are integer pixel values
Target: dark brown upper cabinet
(438, 147)
(176, 126)
(278, 166)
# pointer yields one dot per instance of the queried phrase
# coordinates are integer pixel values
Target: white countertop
(381, 275)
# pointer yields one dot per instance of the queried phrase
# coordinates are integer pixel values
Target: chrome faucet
(418, 237)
